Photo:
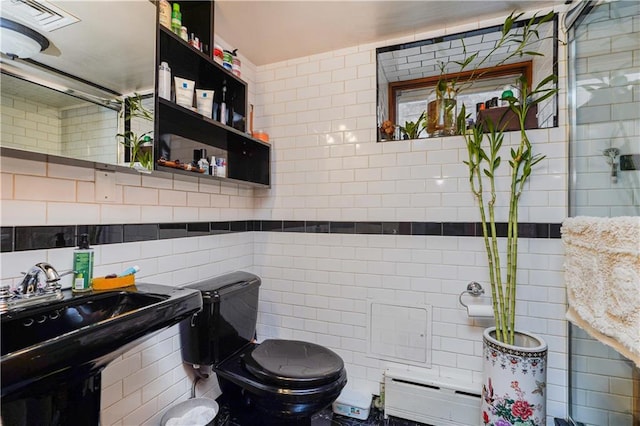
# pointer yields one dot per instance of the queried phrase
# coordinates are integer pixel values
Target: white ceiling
(113, 43)
(272, 31)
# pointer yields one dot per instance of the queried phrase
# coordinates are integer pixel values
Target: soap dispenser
(82, 265)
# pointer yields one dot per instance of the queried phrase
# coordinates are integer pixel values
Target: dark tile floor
(324, 418)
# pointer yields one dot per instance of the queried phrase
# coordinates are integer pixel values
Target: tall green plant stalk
(517, 42)
(483, 164)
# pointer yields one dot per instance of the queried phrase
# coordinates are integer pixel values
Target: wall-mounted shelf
(179, 130)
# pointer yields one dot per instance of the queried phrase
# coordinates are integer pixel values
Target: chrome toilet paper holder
(474, 289)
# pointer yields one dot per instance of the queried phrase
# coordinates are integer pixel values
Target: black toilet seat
(292, 363)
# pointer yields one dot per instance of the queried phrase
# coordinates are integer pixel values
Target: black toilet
(277, 381)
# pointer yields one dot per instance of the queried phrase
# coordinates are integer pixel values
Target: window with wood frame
(408, 99)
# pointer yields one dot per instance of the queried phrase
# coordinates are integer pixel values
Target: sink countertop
(89, 348)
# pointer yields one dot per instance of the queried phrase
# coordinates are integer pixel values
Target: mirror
(66, 100)
(407, 76)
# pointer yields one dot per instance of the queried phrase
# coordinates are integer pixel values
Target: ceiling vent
(40, 15)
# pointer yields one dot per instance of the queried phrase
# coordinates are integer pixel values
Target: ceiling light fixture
(19, 41)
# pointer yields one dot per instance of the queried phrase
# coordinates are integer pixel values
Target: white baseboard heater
(434, 401)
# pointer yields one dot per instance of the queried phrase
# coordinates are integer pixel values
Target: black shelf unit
(248, 159)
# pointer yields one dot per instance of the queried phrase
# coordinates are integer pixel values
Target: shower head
(611, 153)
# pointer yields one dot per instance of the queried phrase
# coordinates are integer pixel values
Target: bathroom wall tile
(238, 226)
(185, 214)
(102, 234)
(65, 171)
(220, 227)
(6, 239)
(185, 183)
(6, 188)
(195, 199)
(140, 232)
(44, 189)
(198, 228)
(42, 237)
(120, 213)
(140, 196)
(172, 198)
(172, 230)
(23, 212)
(65, 213)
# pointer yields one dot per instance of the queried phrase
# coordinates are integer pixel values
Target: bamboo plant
(484, 160)
(133, 141)
(483, 164)
(517, 42)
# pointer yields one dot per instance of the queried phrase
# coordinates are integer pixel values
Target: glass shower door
(604, 107)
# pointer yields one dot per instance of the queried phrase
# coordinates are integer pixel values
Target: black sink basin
(45, 346)
(37, 325)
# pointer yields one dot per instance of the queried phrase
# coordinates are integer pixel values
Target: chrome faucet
(40, 283)
(41, 278)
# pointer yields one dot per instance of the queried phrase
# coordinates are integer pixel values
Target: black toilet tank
(227, 322)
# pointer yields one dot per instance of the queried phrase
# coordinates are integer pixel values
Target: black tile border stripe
(22, 238)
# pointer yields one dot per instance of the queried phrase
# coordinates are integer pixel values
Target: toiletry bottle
(82, 265)
(223, 105)
(164, 13)
(164, 81)
(212, 166)
(204, 165)
(176, 19)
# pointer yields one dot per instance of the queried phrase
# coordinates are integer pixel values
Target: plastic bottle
(176, 19)
(164, 81)
(204, 165)
(164, 13)
(223, 105)
(82, 265)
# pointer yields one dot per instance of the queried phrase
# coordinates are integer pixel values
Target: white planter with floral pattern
(514, 380)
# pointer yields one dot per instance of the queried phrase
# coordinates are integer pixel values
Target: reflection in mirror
(39, 119)
(65, 99)
(407, 74)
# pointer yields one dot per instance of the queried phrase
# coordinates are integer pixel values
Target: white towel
(602, 273)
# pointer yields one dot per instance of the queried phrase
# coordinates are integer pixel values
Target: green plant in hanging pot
(140, 145)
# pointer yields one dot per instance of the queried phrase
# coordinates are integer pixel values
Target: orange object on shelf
(264, 137)
(104, 283)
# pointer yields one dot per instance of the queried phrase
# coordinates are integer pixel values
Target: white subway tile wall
(88, 133)
(30, 125)
(320, 112)
(328, 166)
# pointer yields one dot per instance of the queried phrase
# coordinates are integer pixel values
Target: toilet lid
(293, 363)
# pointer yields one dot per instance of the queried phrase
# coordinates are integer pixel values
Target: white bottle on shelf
(164, 81)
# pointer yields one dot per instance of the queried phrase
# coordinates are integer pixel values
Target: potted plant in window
(413, 129)
(140, 145)
(514, 360)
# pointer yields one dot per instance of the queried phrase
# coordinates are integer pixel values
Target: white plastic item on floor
(192, 412)
(352, 403)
